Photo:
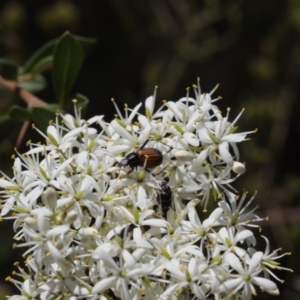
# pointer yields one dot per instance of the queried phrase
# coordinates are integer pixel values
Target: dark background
(252, 48)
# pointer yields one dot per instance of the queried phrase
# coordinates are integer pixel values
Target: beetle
(164, 198)
(148, 157)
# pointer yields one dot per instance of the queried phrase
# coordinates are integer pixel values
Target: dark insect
(150, 157)
(164, 198)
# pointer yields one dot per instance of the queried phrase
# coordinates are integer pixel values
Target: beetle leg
(130, 171)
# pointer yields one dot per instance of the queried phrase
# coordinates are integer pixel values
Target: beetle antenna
(171, 148)
(144, 144)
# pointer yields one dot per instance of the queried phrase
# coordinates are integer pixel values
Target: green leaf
(82, 101)
(19, 114)
(8, 69)
(47, 50)
(41, 116)
(44, 51)
(67, 61)
(35, 84)
(43, 65)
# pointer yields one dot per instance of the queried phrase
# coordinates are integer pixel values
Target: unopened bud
(50, 197)
(88, 232)
(71, 217)
(31, 222)
(238, 168)
(184, 156)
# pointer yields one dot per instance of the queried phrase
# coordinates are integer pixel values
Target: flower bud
(184, 156)
(238, 168)
(71, 217)
(88, 232)
(50, 197)
(31, 222)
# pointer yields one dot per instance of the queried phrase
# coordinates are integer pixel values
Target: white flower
(93, 227)
(124, 271)
(269, 260)
(195, 230)
(235, 213)
(228, 240)
(186, 276)
(244, 282)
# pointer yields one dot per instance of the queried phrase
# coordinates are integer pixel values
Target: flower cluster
(113, 213)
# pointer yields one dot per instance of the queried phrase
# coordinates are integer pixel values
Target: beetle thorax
(133, 159)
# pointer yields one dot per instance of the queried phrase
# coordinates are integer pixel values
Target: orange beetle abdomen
(154, 157)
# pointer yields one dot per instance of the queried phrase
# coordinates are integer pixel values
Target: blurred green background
(252, 48)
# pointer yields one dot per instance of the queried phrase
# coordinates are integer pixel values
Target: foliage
(62, 56)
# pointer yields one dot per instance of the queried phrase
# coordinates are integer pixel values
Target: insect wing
(154, 157)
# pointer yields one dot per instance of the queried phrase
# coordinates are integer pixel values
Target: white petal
(203, 155)
(266, 284)
(121, 130)
(124, 289)
(75, 288)
(143, 244)
(234, 262)
(61, 229)
(105, 256)
(145, 269)
(192, 266)
(72, 134)
(149, 104)
(197, 291)
(230, 284)
(32, 197)
(55, 253)
(235, 137)
(155, 223)
(95, 119)
(133, 112)
(142, 198)
(216, 213)
(191, 139)
(62, 167)
(255, 261)
(174, 271)
(240, 252)
(53, 131)
(4, 183)
(171, 291)
(104, 284)
(128, 259)
(173, 107)
(225, 154)
(145, 124)
(242, 235)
